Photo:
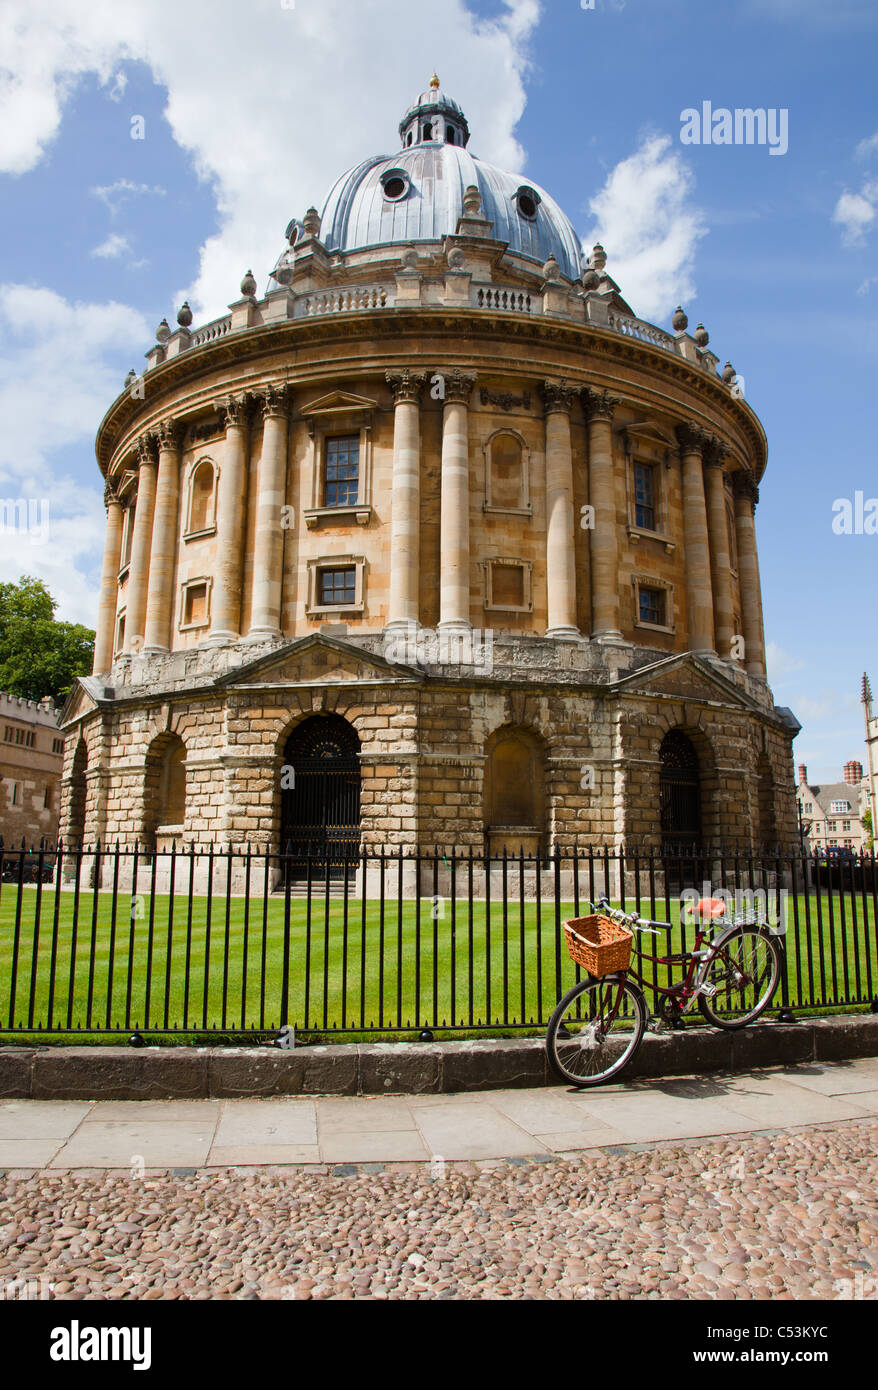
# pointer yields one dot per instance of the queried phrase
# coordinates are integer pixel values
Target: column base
(564, 633)
(610, 637)
(154, 650)
(397, 625)
(455, 625)
(262, 634)
(220, 639)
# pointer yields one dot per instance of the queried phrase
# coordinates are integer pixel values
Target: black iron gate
(320, 796)
(680, 795)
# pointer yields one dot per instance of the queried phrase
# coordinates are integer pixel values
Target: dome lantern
(434, 119)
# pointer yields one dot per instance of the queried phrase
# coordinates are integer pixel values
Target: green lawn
(344, 968)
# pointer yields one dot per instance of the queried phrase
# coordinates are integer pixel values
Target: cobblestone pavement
(788, 1214)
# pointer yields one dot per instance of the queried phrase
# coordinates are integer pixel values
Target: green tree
(38, 654)
(867, 824)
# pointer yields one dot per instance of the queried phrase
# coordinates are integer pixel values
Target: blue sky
(247, 123)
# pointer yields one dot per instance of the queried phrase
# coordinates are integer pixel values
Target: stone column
(720, 559)
(560, 524)
(604, 536)
(141, 544)
(454, 576)
(746, 497)
(163, 553)
(231, 515)
(106, 626)
(270, 494)
(696, 544)
(405, 502)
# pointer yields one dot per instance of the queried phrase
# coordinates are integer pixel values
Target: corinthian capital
(598, 405)
(744, 485)
(233, 410)
(406, 385)
(691, 438)
(111, 493)
(275, 401)
(459, 386)
(147, 452)
(712, 452)
(170, 434)
(557, 395)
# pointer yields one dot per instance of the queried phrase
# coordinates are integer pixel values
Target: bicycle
(598, 1026)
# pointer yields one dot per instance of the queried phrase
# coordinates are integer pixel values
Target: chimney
(853, 773)
(803, 775)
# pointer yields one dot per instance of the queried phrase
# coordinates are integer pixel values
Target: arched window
(506, 482)
(450, 134)
(77, 794)
(320, 795)
(733, 539)
(409, 137)
(172, 784)
(515, 790)
(428, 132)
(680, 793)
(127, 536)
(201, 497)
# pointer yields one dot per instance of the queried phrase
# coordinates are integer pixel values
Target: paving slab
(580, 1140)
(835, 1078)
(457, 1131)
(792, 1106)
(244, 1123)
(261, 1155)
(372, 1146)
(667, 1117)
(159, 1112)
(170, 1145)
(361, 1115)
(41, 1119)
(28, 1153)
(539, 1111)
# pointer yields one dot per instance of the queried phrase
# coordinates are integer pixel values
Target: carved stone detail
(147, 451)
(504, 400)
(713, 452)
(598, 405)
(234, 410)
(557, 395)
(111, 493)
(275, 400)
(744, 485)
(170, 434)
(406, 385)
(459, 386)
(691, 438)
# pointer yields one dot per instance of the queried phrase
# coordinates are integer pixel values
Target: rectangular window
(342, 471)
(845, 825)
(644, 496)
(337, 586)
(57, 745)
(120, 633)
(507, 586)
(47, 799)
(837, 808)
(30, 738)
(653, 606)
(10, 734)
(196, 605)
(15, 793)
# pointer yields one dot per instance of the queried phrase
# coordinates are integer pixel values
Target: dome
(417, 194)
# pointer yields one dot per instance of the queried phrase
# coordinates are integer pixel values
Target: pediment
(319, 660)
(81, 700)
(339, 402)
(684, 677)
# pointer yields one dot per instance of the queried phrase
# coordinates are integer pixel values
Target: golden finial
(434, 82)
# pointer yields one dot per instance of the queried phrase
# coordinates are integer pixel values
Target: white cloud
(855, 213)
(649, 228)
(58, 373)
(271, 135)
(780, 663)
(114, 246)
(867, 147)
(114, 195)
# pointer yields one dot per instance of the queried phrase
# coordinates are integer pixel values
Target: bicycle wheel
(596, 1030)
(743, 977)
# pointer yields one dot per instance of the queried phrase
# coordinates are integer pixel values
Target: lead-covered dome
(417, 194)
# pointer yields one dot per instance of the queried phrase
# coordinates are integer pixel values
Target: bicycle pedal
(655, 1025)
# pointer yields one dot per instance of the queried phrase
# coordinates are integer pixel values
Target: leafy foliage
(38, 654)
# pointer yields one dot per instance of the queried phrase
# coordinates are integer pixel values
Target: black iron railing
(240, 941)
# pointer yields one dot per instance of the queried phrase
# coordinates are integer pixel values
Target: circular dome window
(395, 183)
(527, 200)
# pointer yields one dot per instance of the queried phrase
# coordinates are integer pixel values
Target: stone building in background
(435, 542)
(31, 760)
(831, 814)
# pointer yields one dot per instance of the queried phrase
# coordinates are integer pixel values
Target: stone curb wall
(349, 1069)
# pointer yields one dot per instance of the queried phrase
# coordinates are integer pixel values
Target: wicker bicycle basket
(597, 944)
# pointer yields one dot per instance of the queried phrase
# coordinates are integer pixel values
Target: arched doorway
(77, 796)
(515, 795)
(766, 823)
(680, 794)
(320, 794)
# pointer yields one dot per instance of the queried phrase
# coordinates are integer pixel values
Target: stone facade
(565, 492)
(30, 771)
